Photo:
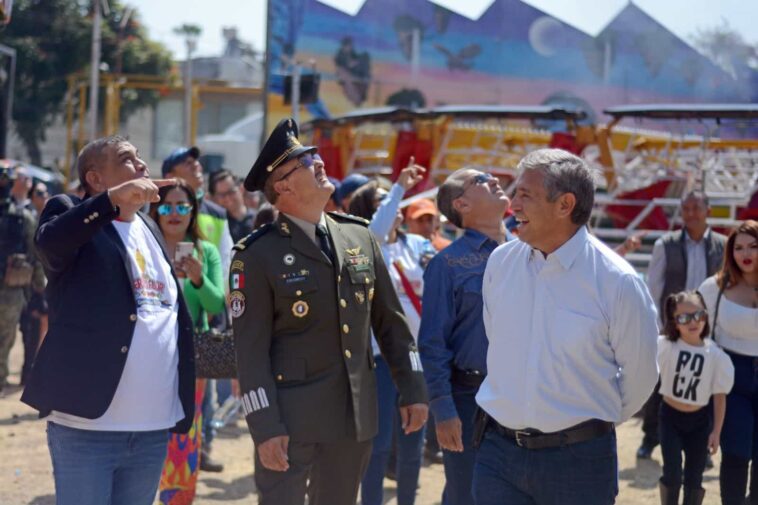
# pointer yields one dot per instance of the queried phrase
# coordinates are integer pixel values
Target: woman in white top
(406, 255)
(732, 300)
(693, 370)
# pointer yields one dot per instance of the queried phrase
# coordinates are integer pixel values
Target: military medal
(237, 303)
(360, 297)
(300, 308)
(289, 259)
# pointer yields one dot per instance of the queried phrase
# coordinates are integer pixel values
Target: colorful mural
(416, 53)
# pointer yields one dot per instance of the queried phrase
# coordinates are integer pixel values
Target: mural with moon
(417, 53)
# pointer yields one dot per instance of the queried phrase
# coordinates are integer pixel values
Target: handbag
(215, 357)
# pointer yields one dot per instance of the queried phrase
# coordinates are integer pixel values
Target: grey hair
(564, 173)
(451, 189)
(91, 156)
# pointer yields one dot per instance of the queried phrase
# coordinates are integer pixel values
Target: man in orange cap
(423, 218)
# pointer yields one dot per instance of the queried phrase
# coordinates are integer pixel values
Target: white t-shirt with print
(147, 396)
(692, 374)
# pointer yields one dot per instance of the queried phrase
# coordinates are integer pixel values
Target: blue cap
(336, 183)
(349, 185)
(177, 156)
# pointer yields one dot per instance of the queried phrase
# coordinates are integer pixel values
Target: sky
(682, 17)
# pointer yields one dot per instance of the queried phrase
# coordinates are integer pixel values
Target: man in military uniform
(19, 268)
(305, 292)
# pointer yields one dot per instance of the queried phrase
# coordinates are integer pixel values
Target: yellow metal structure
(114, 84)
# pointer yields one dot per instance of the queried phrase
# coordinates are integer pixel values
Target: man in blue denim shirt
(452, 342)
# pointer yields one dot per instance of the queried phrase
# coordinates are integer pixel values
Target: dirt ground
(26, 473)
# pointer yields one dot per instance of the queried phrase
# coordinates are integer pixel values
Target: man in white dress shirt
(572, 343)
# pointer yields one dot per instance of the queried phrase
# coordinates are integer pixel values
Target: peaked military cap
(281, 147)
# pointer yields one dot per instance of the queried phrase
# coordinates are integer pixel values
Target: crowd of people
(525, 337)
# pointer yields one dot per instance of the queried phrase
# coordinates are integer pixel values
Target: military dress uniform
(302, 324)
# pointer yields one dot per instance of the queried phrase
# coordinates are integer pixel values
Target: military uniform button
(345, 328)
(368, 281)
(86, 220)
(339, 278)
(124, 349)
(348, 354)
(280, 377)
(95, 214)
(133, 317)
(343, 303)
(298, 292)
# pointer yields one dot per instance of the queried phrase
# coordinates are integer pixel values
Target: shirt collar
(308, 228)
(475, 238)
(689, 239)
(568, 252)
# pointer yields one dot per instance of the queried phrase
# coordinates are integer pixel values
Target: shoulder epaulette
(348, 218)
(258, 233)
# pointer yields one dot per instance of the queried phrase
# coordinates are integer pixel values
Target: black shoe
(645, 451)
(708, 462)
(207, 464)
(433, 457)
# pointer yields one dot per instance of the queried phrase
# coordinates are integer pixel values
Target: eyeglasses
(685, 318)
(478, 179)
(182, 209)
(304, 161)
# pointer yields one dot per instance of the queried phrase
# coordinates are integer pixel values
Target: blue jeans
(408, 447)
(585, 473)
(106, 467)
(459, 466)
(209, 407)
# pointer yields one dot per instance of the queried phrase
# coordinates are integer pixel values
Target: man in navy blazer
(116, 370)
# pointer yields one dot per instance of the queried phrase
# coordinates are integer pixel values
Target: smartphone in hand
(183, 249)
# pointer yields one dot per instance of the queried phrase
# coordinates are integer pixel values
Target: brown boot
(669, 495)
(693, 496)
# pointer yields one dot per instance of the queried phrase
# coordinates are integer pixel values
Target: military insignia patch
(237, 265)
(237, 303)
(353, 252)
(289, 259)
(370, 294)
(300, 308)
(238, 281)
(360, 297)
(285, 228)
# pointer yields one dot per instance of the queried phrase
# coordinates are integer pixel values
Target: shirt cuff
(443, 408)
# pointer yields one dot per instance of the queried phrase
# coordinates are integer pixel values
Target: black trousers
(650, 418)
(330, 473)
(684, 432)
(29, 326)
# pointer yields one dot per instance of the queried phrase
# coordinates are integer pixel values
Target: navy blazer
(92, 312)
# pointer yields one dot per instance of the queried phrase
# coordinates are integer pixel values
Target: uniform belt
(530, 438)
(468, 378)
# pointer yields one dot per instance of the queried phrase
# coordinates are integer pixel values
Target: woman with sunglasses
(732, 300)
(203, 290)
(693, 370)
(406, 255)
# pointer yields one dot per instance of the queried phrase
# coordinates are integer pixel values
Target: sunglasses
(685, 318)
(304, 161)
(478, 179)
(182, 209)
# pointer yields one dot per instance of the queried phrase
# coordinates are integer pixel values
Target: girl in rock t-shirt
(693, 369)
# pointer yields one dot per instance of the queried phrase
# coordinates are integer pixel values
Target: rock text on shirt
(689, 368)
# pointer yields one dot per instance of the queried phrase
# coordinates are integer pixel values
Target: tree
(52, 39)
(727, 48)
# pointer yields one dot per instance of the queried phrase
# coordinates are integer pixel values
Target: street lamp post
(191, 34)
